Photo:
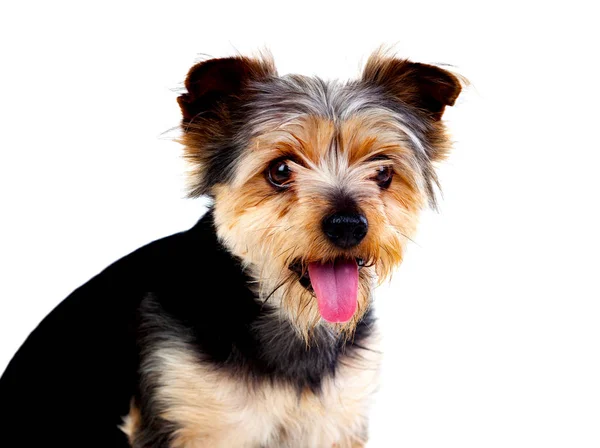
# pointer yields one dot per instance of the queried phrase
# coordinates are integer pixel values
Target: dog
(254, 327)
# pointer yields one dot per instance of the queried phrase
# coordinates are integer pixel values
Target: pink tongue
(336, 287)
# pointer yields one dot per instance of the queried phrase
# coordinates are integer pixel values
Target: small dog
(253, 328)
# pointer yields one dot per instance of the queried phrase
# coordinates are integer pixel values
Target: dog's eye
(279, 173)
(384, 176)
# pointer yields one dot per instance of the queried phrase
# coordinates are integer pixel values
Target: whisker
(283, 282)
(287, 250)
(265, 228)
(362, 347)
(408, 238)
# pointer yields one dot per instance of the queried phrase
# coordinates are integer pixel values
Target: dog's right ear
(212, 112)
(214, 84)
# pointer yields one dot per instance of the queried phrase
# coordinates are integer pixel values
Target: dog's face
(317, 186)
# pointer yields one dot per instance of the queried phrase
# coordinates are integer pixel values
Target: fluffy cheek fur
(270, 229)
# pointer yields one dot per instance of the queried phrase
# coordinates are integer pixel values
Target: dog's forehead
(331, 115)
(293, 95)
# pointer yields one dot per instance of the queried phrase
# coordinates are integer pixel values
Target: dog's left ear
(427, 88)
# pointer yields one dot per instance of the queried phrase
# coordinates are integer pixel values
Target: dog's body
(227, 370)
(253, 328)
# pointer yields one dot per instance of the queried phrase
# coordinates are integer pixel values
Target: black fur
(72, 380)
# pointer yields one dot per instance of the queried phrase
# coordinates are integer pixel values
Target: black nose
(345, 229)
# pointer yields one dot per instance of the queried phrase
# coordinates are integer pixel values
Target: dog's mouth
(335, 283)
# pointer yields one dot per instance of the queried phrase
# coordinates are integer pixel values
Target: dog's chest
(211, 408)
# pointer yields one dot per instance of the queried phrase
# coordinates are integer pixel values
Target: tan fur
(214, 409)
(268, 229)
(131, 422)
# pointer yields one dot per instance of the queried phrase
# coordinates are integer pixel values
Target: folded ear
(212, 112)
(215, 83)
(426, 87)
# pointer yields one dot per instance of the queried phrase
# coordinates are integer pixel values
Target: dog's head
(317, 185)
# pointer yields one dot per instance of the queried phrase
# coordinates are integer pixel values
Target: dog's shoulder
(79, 365)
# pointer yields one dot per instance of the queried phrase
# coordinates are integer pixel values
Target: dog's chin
(334, 283)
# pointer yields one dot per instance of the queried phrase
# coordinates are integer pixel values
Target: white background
(492, 325)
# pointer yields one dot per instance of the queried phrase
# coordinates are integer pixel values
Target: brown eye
(279, 173)
(384, 176)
